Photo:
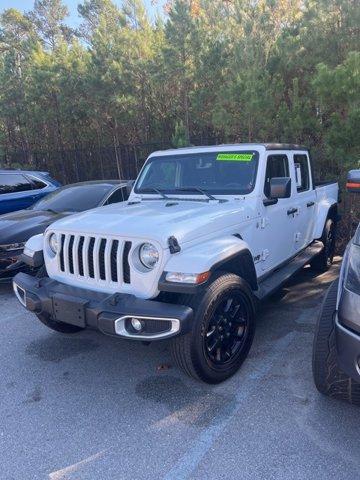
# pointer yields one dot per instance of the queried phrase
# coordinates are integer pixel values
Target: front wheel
(328, 378)
(222, 333)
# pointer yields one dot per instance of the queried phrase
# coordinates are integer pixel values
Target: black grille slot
(113, 260)
(62, 264)
(91, 257)
(80, 249)
(71, 258)
(126, 265)
(102, 259)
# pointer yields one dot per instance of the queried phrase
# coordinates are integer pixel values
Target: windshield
(215, 173)
(75, 198)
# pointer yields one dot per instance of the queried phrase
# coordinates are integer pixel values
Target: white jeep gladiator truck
(205, 234)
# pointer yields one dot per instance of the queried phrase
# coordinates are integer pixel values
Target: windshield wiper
(196, 189)
(154, 190)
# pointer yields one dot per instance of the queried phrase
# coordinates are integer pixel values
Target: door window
(13, 182)
(302, 173)
(277, 166)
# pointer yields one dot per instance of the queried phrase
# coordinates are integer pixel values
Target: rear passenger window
(277, 166)
(37, 184)
(13, 182)
(302, 173)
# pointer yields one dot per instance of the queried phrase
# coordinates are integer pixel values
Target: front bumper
(111, 314)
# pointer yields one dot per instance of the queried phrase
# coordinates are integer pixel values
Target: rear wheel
(223, 330)
(328, 377)
(324, 260)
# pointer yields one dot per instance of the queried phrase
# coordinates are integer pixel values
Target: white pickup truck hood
(156, 219)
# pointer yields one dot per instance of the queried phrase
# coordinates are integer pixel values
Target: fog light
(137, 324)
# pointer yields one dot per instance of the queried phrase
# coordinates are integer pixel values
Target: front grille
(96, 258)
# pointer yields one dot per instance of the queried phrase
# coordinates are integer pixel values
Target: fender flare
(230, 254)
(328, 210)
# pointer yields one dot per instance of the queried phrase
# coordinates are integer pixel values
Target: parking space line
(198, 449)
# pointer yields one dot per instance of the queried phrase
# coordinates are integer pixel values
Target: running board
(276, 279)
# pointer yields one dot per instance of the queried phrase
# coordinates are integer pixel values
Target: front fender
(229, 253)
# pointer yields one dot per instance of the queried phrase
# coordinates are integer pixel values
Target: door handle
(292, 211)
(310, 204)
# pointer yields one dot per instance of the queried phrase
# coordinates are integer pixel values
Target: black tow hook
(114, 300)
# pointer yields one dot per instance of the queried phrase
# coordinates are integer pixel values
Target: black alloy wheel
(227, 330)
(222, 332)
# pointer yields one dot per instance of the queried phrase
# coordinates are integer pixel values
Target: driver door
(277, 224)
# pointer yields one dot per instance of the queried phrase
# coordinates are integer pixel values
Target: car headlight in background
(12, 247)
(53, 243)
(149, 255)
(352, 281)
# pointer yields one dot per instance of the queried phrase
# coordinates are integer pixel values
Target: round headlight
(149, 255)
(53, 243)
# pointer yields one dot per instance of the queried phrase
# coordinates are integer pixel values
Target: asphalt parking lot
(92, 407)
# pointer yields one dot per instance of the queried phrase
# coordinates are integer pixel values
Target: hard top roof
(266, 146)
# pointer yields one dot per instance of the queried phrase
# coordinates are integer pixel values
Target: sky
(74, 19)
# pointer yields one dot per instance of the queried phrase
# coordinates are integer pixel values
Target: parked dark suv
(336, 351)
(17, 227)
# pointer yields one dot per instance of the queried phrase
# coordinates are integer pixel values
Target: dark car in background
(20, 189)
(17, 227)
(336, 351)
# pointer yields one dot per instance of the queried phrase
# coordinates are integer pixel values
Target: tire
(329, 379)
(222, 333)
(322, 262)
(46, 319)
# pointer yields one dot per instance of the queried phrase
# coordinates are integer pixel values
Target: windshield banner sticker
(235, 157)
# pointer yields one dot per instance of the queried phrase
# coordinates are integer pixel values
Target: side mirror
(353, 181)
(129, 186)
(280, 187)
